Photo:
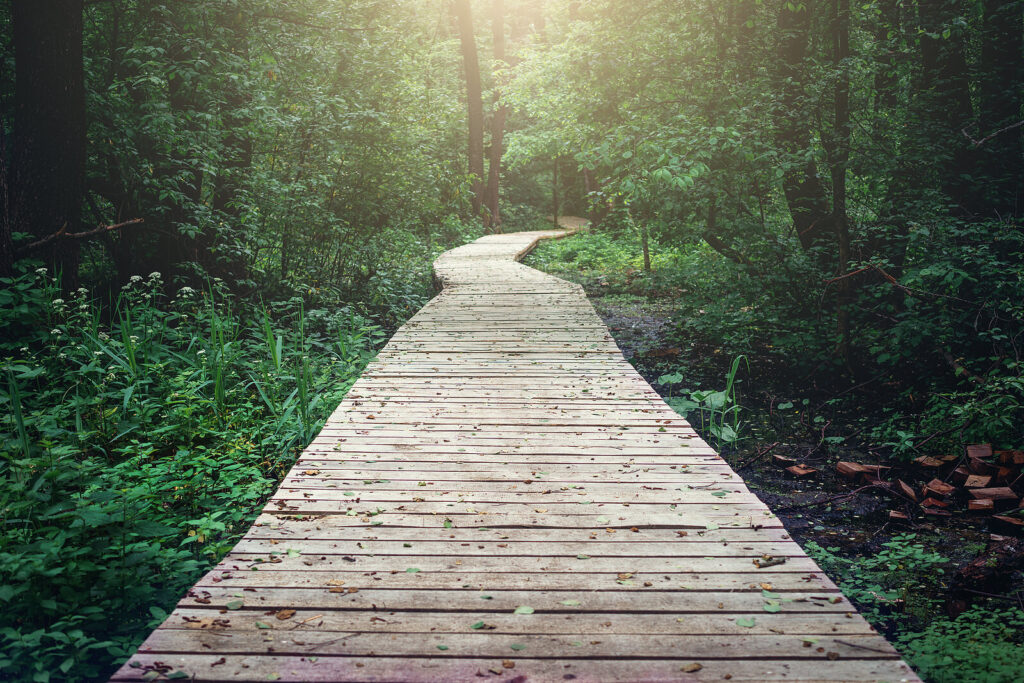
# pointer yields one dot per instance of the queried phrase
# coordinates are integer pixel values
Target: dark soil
(851, 517)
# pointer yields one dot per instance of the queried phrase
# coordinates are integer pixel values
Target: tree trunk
(840, 155)
(474, 100)
(1000, 160)
(497, 122)
(805, 195)
(945, 98)
(48, 174)
(555, 208)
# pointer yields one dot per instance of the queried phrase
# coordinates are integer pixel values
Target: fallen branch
(979, 143)
(760, 454)
(63, 234)
(831, 499)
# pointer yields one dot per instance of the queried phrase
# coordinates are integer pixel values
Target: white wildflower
(135, 278)
(155, 275)
(97, 353)
(58, 302)
(56, 332)
(40, 271)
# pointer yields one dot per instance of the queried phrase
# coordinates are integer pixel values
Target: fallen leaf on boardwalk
(482, 626)
(335, 582)
(517, 646)
(260, 624)
(718, 494)
(486, 597)
(235, 604)
(626, 575)
(292, 552)
(691, 668)
(682, 533)
(582, 557)
(412, 570)
(772, 607)
(509, 664)
(442, 647)
(285, 614)
(523, 609)
(768, 561)
(746, 622)
(335, 590)
(570, 603)
(541, 510)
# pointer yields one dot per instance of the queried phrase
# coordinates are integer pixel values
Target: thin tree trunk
(805, 195)
(945, 99)
(554, 194)
(1001, 160)
(474, 101)
(48, 171)
(840, 153)
(497, 122)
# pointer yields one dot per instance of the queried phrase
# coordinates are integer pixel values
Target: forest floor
(825, 508)
(905, 575)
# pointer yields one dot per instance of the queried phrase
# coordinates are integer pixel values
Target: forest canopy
(213, 213)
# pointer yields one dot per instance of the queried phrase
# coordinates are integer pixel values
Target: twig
(298, 624)
(63, 234)
(863, 647)
(979, 143)
(330, 642)
(830, 499)
(760, 454)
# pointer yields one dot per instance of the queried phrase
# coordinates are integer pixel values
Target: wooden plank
(380, 669)
(501, 453)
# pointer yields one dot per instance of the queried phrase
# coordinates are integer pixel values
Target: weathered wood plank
(501, 453)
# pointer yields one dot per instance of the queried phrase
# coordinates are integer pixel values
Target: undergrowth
(140, 438)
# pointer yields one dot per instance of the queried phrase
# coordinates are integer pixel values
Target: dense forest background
(213, 213)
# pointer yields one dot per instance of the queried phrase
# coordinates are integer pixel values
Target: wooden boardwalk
(501, 497)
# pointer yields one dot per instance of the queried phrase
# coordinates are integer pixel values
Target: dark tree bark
(48, 171)
(805, 195)
(493, 217)
(1001, 159)
(945, 97)
(839, 158)
(474, 100)
(886, 76)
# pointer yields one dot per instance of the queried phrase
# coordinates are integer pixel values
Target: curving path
(501, 497)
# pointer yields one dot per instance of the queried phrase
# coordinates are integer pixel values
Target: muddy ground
(836, 513)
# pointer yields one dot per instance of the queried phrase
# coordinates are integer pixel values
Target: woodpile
(981, 481)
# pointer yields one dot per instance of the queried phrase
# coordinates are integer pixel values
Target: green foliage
(719, 411)
(979, 646)
(894, 586)
(140, 441)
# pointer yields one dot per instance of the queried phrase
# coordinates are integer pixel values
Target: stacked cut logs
(990, 482)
